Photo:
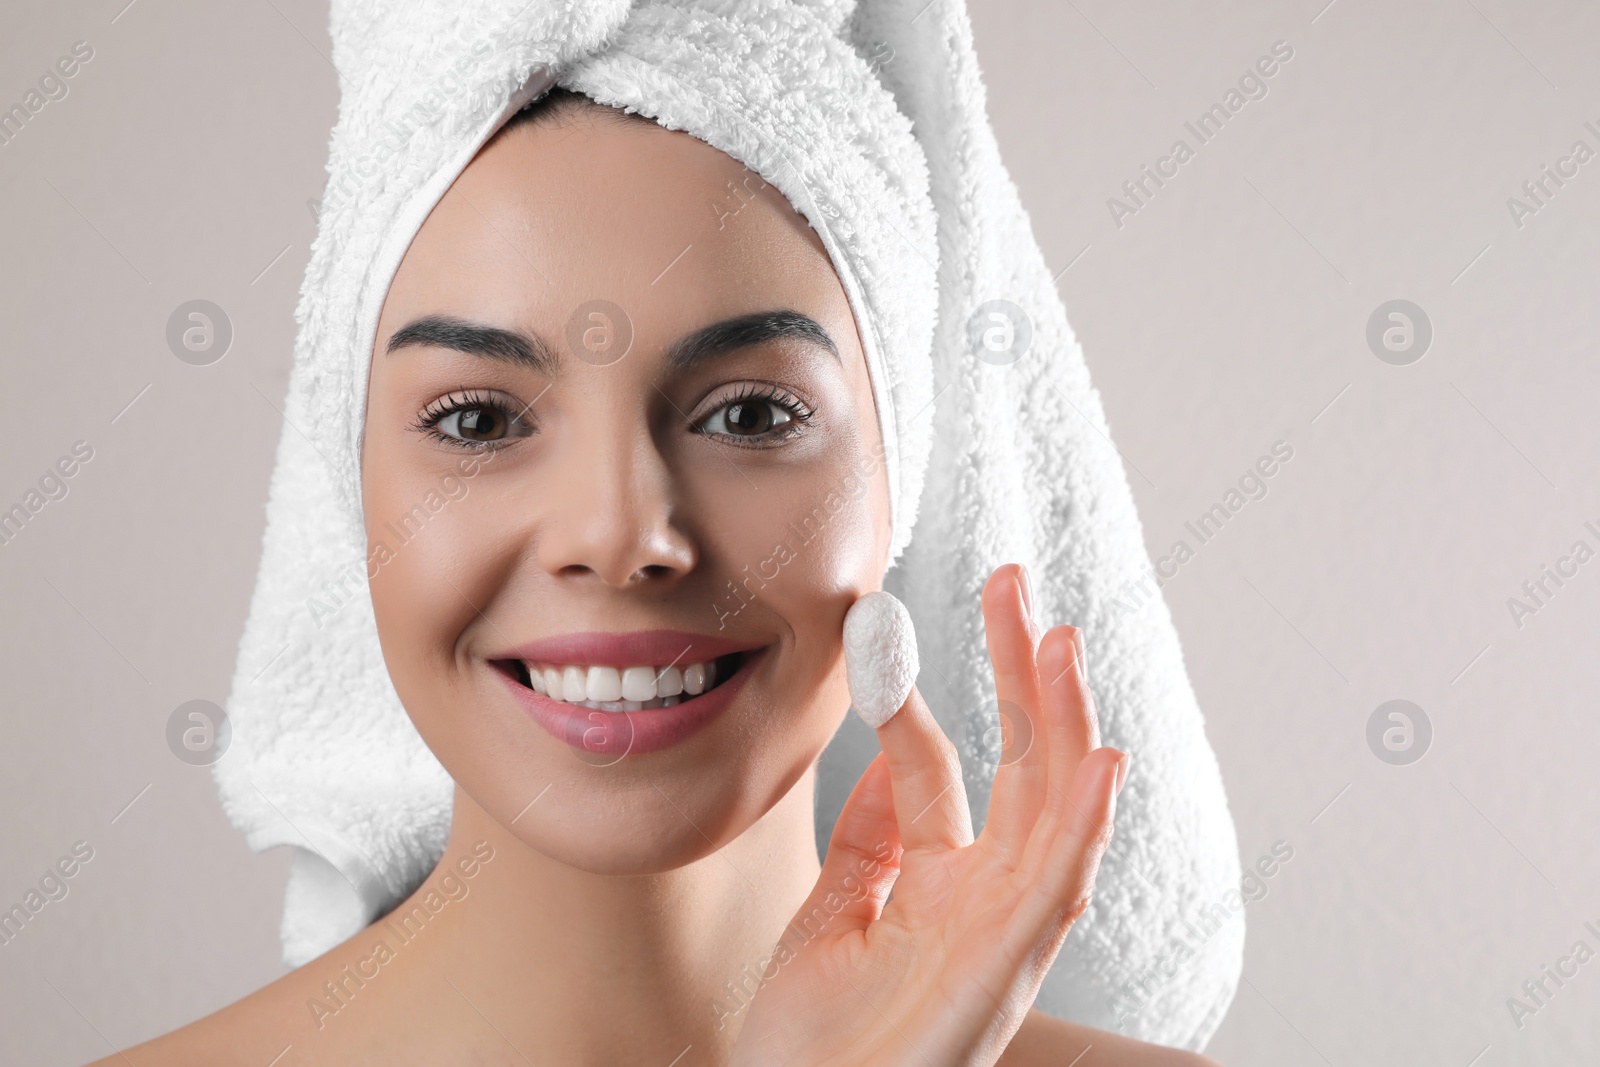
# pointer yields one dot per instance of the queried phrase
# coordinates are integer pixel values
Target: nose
(611, 515)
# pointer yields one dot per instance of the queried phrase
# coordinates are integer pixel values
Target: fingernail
(1026, 586)
(1122, 771)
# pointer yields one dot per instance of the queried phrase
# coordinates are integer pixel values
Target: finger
(1070, 719)
(862, 861)
(930, 801)
(1064, 853)
(1020, 781)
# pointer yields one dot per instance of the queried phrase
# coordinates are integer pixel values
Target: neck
(608, 968)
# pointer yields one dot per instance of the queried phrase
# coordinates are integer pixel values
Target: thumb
(880, 654)
(862, 863)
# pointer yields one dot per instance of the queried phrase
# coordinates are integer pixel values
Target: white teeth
(572, 687)
(639, 683)
(669, 683)
(604, 684)
(616, 689)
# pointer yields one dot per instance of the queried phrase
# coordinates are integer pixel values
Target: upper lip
(641, 648)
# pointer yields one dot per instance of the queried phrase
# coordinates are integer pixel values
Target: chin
(632, 838)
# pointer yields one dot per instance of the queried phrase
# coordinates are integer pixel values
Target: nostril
(653, 570)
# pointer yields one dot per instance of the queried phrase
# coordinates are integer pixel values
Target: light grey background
(1227, 314)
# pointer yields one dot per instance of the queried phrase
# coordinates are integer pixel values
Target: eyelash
(468, 400)
(797, 410)
(474, 399)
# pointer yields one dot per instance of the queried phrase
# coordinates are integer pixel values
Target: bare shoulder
(1045, 1041)
(255, 1030)
(242, 1032)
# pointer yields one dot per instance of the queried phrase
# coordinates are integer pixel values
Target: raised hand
(942, 974)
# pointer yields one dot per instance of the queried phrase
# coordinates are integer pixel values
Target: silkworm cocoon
(880, 656)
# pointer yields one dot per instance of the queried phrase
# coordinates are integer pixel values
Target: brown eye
(475, 424)
(757, 415)
(749, 418)
(746, 418)
(475, 420)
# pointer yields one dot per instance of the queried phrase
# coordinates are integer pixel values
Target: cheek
(799, 540)
(816, 530)
(795, 551)
(430, 559)
(805, 537)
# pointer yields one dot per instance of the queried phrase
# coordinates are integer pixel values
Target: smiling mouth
(619, 689)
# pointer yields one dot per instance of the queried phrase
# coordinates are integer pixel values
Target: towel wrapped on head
(869, 116)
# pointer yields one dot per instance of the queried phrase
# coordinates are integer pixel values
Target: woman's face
(620, 453)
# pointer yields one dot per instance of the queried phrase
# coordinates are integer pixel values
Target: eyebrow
(529, 350)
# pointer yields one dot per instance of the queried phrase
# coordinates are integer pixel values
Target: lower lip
(620, 733)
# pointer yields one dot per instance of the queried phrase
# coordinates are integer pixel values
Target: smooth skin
(950, 966)
(596, 912)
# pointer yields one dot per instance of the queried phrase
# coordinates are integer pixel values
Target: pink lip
(642, 648)
(620, 733)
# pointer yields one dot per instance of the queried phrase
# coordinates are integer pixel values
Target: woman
(622, 917)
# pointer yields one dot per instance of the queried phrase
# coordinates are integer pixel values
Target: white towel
(869, 115)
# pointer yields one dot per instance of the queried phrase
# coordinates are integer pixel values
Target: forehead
(676, 232)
